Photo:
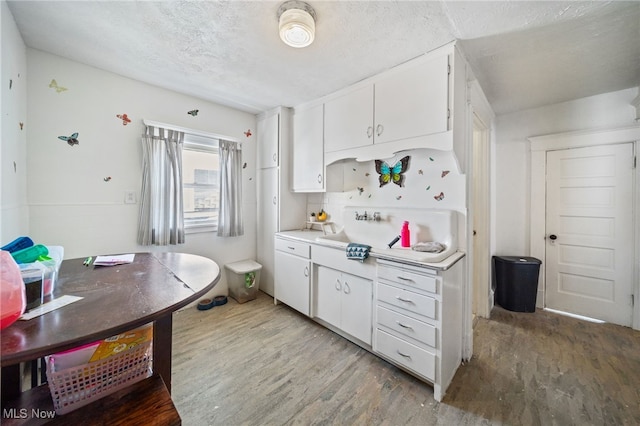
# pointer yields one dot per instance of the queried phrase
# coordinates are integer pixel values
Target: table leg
(162, 339)
(11, 386)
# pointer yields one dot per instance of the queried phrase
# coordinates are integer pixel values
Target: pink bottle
(405, 238)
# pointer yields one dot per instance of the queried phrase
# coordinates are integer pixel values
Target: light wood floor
(260, 364)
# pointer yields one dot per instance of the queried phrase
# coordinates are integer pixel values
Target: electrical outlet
(129, 197)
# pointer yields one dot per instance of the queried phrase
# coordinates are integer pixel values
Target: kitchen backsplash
(431, 180)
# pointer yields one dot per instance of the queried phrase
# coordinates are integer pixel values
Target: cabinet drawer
(407, 326)
(293, 247)
(402, 276)
(404, 353)
(405, 299)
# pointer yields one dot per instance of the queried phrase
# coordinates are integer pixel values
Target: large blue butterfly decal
(392, 174)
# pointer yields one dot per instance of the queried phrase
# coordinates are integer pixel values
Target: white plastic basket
(78, 386)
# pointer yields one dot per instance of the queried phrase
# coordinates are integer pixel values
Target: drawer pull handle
(338, 285)
(406, 279)
(291, 248)
(306, 271)
(404, 355)
(404, 325)
(347, 289)
(404, 300)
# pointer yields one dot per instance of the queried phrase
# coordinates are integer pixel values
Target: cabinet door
(348, 120)
(268, 135)
(308, 150)
(268, 214)
(292, 281)
(412, 102)
(328, 295)
(356, 307)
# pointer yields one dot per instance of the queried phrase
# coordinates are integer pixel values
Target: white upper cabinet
(308, 150)
(268, 138)
(348, 120)
(407, 102)
(412, 102)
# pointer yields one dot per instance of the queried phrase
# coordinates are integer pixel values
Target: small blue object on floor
(358, 251)
(206, 304)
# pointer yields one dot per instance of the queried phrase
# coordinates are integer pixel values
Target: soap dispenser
(405, 238)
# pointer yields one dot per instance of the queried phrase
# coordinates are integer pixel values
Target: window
(201, 195)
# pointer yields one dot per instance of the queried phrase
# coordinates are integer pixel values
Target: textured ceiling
(524, 53)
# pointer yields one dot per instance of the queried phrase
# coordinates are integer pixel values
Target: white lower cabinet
(293, 274)
(410, 315)
(418, 321)
(344, 301)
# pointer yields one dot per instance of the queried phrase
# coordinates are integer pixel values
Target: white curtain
(161, 219)
(230, 214)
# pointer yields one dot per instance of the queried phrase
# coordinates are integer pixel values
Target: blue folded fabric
(358, 251)
(18, 244)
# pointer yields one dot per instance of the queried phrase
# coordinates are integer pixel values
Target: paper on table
(50, 306)
(114, 260)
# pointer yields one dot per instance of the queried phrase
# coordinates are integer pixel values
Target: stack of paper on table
(114, 260)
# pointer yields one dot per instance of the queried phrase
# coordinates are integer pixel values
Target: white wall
(14, 218)
(511, 174)
(70, 202)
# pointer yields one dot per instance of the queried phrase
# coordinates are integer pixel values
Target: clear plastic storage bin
(243, 279)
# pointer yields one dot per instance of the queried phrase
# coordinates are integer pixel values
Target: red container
(12, 291)
(405, 235)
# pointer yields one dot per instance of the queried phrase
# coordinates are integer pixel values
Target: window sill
(200, 229)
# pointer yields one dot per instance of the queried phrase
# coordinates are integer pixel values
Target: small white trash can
(243, 279)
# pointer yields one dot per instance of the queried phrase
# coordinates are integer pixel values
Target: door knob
(553, 237)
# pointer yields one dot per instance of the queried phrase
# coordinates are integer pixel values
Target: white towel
(431, 247)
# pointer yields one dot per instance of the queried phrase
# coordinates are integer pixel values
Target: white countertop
(311, 235)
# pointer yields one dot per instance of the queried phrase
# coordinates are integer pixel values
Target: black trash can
(515, 281)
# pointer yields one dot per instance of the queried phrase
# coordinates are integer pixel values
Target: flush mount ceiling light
(297, 23)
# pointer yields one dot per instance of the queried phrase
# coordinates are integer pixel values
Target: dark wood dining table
(115, 299)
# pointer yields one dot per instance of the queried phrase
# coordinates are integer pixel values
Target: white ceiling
(525, 54)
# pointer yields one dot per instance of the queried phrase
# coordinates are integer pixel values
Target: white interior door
(480, 264)
(589, 232)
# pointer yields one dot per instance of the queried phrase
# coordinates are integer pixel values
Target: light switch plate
(129, 197)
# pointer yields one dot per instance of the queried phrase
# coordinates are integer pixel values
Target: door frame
(478, 111)
(539, 146)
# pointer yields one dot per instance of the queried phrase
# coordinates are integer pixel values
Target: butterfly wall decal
(193, 112)
(439, 197)
(54, 85)
(71, 140)
(392, 174)
(125, 120)
(248, 133)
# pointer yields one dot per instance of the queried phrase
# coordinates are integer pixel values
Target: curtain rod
(189, 131)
